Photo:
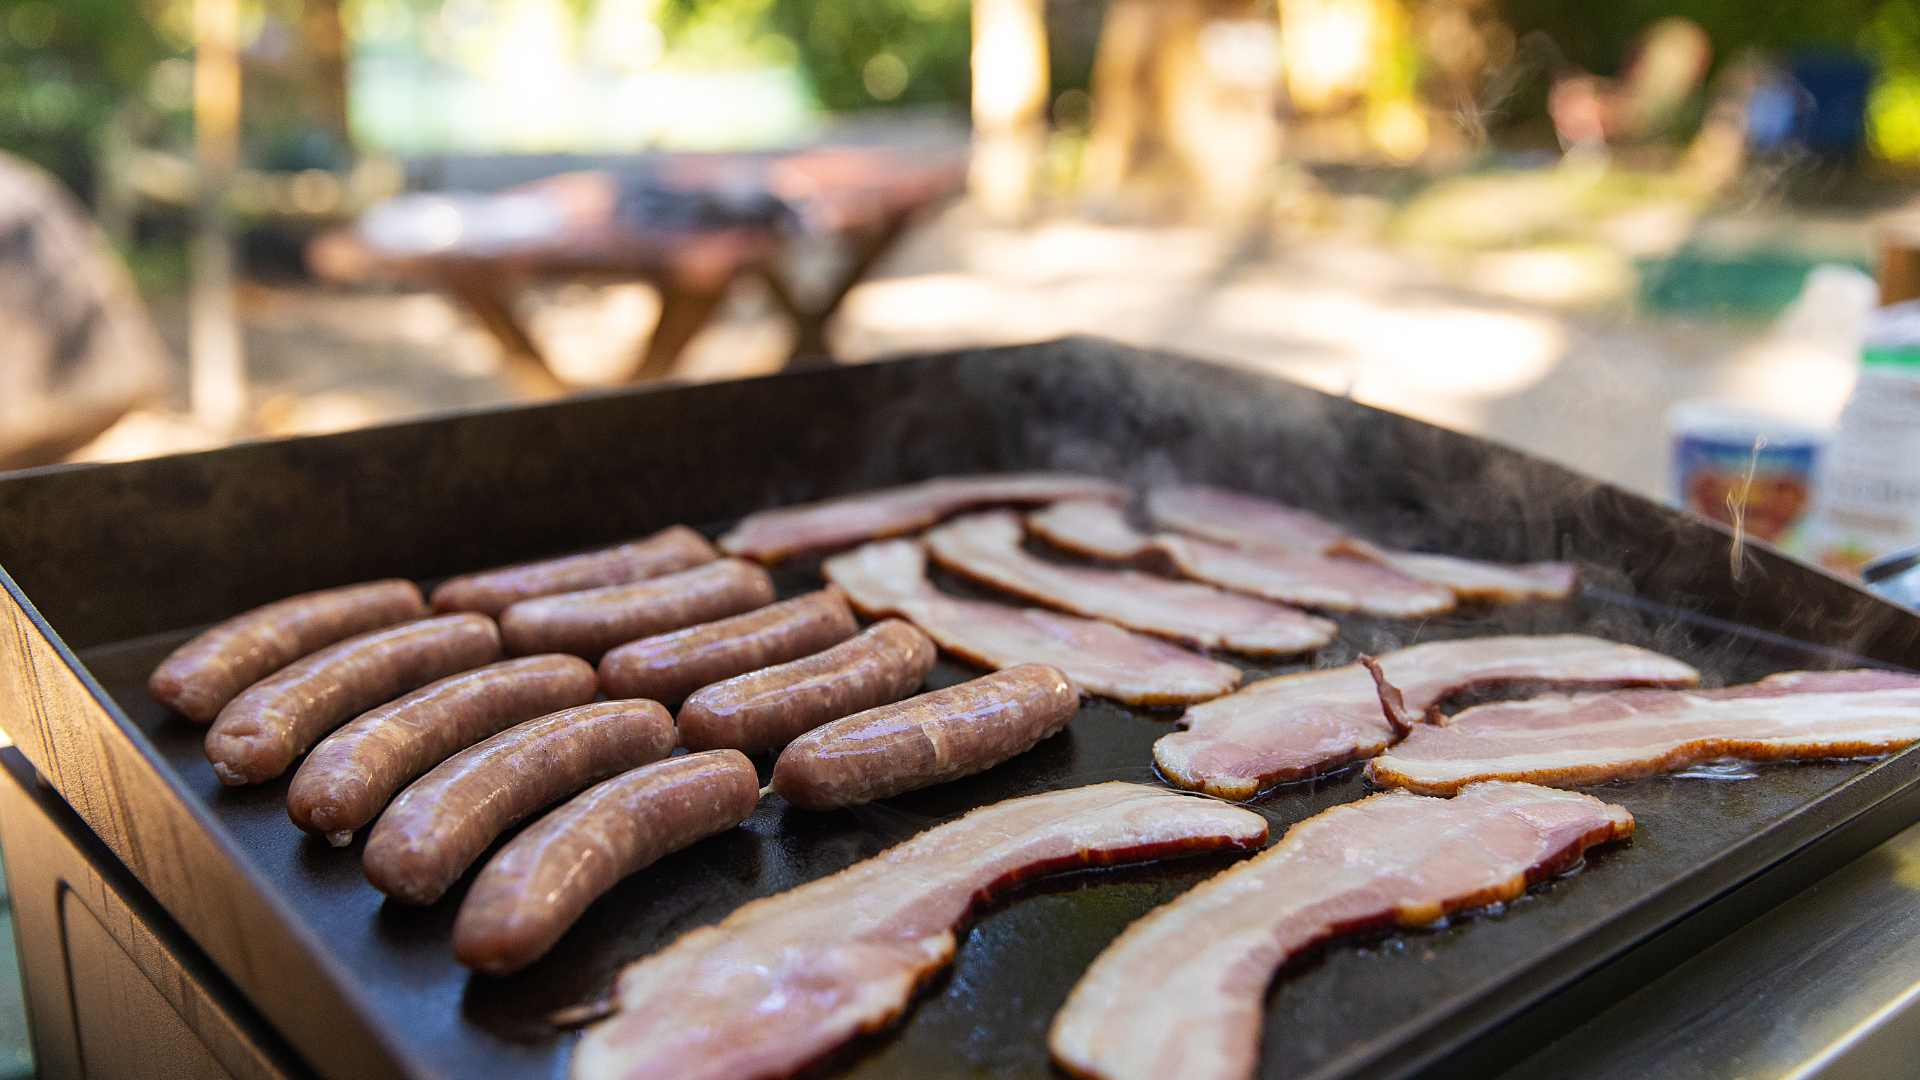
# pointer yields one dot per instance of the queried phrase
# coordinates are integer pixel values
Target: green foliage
(854, 53)
(1598, 37)
(65, 66)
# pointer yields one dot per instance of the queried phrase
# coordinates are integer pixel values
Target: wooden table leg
(526, 368)
(685, 310)
(810, 348)
(1010, 78)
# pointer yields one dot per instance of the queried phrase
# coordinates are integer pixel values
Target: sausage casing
(590, 622)
(764, 710)
(668, 667)
(925, 740)
(543, 879)
(436, 828)
(264, 730)
(199, 678)
(347, 780)
(490, 592)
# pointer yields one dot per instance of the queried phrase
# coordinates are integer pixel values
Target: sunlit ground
(1539, 347)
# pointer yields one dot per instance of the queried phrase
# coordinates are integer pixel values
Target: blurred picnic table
(689, 225)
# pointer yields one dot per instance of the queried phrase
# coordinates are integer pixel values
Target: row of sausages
(424, 732)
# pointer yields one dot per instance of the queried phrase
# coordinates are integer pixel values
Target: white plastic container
(1867, 502)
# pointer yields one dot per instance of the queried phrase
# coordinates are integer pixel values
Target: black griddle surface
(1018, 958)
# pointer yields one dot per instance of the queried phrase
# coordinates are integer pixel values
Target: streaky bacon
(890, 578)
(1182, 992)
(785, 979)
(1249, 521)
(1095, 529)
(1470, 579)
(1242, 520)
(1301, 577)
(1593, 738)
(772, 535)
(1295, 726)
(986, 547)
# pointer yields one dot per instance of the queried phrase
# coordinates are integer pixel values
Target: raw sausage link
(589, 623)
(925, 740)
(492, 591)
(264, 730)
(541, 882)
(668, 667)
(199, 678)
(764, 710)
(347, 779)
(436, 828)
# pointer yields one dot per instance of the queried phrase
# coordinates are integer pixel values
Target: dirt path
(1584, 385)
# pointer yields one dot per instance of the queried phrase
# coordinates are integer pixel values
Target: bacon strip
(1300, 577)
(890, 578)
(785, 979)
(1183, 991)
(1242, 520)
(1095, 529)
(772, 535)
(1593, 738)
(986, 547)
(1295, 726)
(1250, 522)
(1470, 579)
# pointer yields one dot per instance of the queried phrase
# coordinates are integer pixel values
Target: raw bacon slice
(785, 979)
(1592, 738)
(772, 535)
(1251, 522)
(1095, 529)
(1183, 991)
(1295, 726)
(1291, 577)
(1242, 520)
(890, 578)
(1470, 579)
(986, 547)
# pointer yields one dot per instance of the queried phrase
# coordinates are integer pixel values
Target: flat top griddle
(1016, 963)
(122, 561)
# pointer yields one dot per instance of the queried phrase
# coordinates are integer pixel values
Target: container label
(1710, 474)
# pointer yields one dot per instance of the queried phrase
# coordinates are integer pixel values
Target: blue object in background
(1833, 120)
(1773, 112)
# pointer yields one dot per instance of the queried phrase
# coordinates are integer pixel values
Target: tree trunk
(1158, 107)
(1009, 104)
(327, 42)
(216, 368)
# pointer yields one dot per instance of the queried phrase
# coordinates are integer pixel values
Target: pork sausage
(925, 740)
(436, 828)
(347, 780)
(542, 880)
(668, 667)
(200, 677)
(764, 710)
(492, 591)
(264, 730)
(589, 623)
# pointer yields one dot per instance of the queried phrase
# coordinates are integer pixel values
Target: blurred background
(1642, 238)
